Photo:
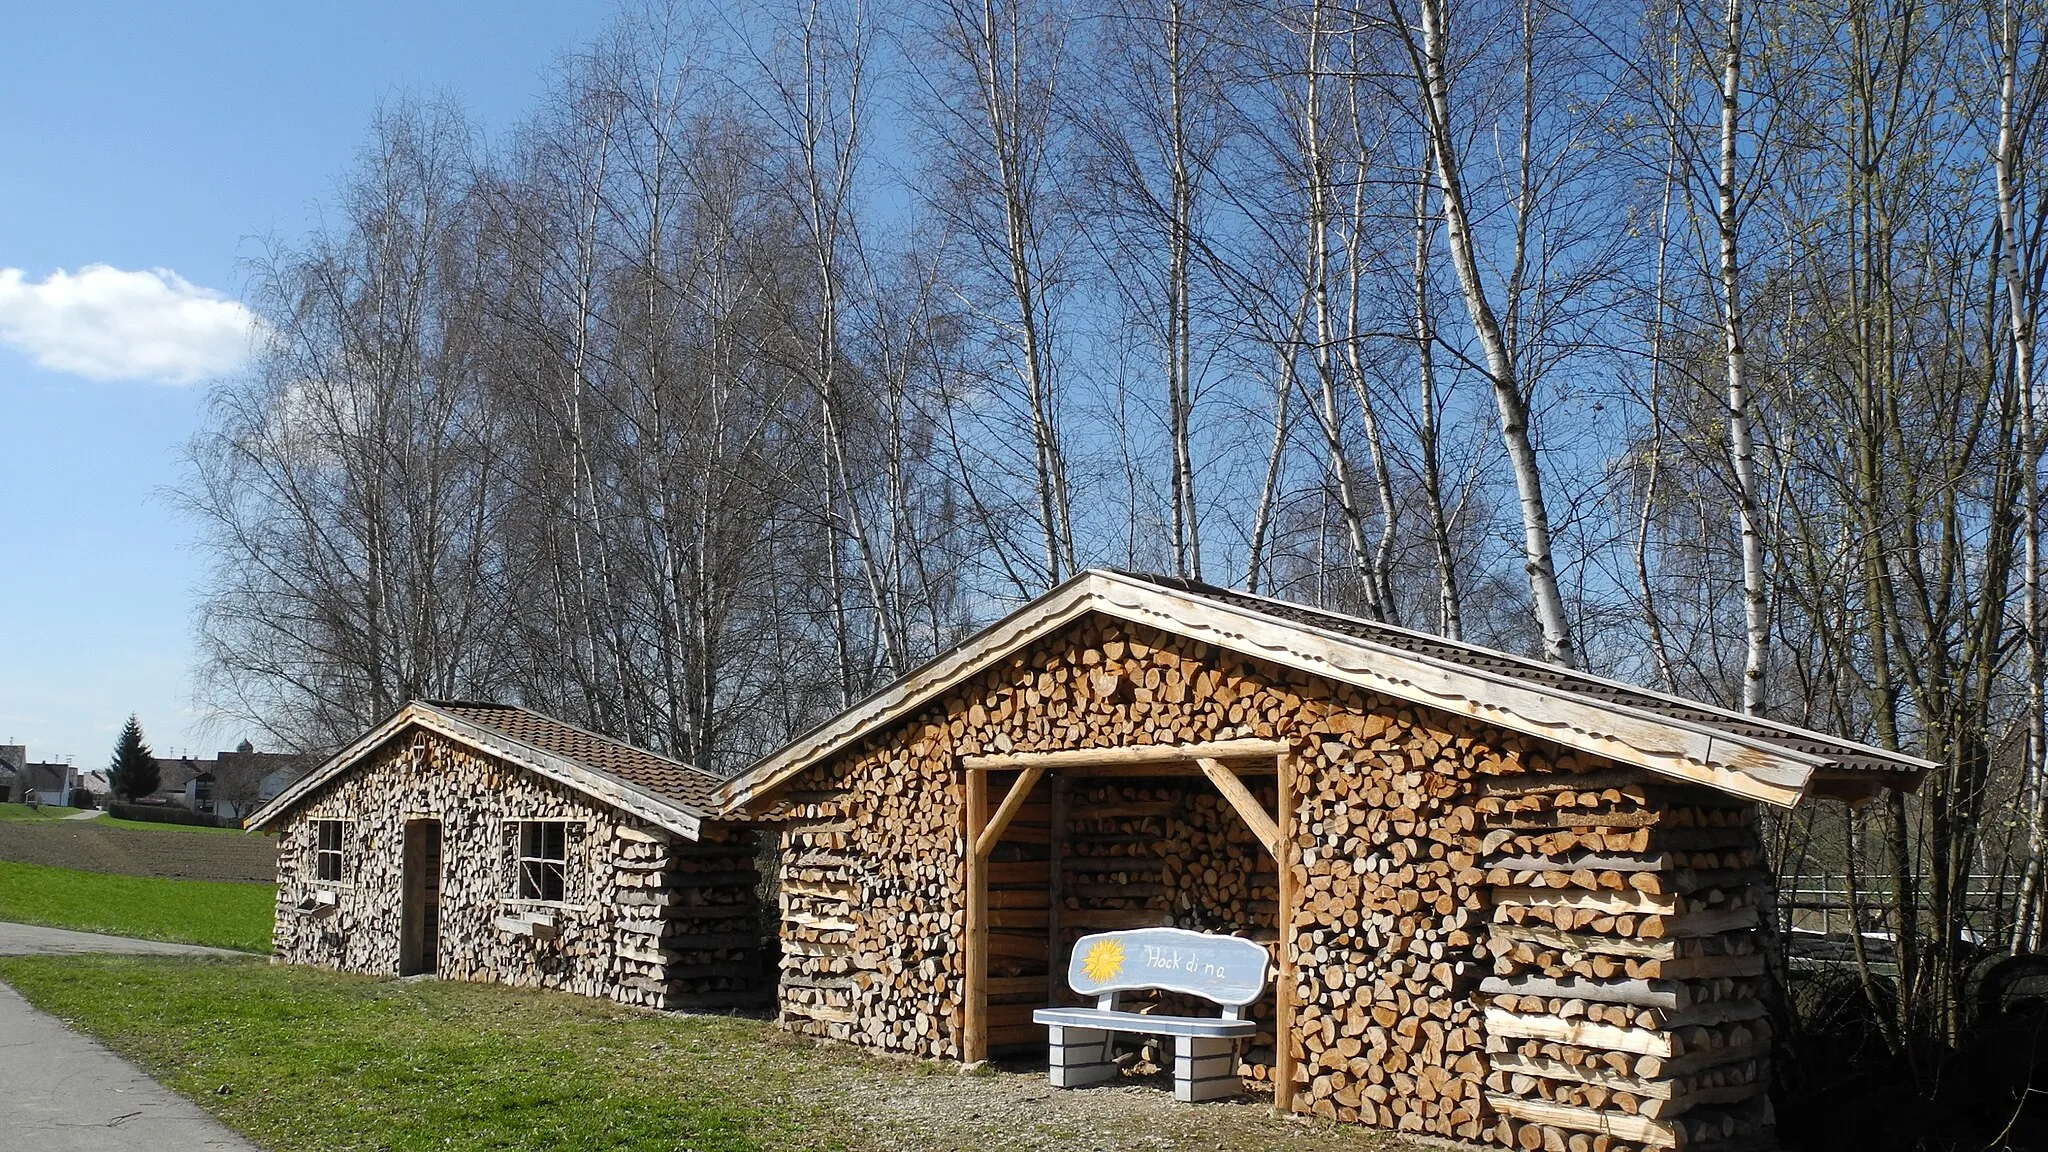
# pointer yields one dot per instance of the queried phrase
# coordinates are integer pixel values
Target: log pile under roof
(1489, 939)
(1507, 904)
(648, 915)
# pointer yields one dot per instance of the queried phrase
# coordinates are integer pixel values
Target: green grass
(154, 826)
(46, 812)
(52, 814)
(208, 912)
(317, 1061)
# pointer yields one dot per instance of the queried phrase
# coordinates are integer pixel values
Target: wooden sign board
(1222, 969)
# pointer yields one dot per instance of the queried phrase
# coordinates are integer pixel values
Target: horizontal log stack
(689, 929)
(1020, 922)
(1405, 823)
(1625, 1007)
(817, 891)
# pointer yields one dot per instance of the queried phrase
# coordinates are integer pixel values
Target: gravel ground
(1015, 1110)
(171, 853)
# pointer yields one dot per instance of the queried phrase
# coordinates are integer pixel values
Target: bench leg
(1078, 1057)
(1204, 1068)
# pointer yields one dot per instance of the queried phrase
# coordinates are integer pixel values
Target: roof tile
(668, 778)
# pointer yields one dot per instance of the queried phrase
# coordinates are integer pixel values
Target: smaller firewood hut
(488, 842)
(1507, 902)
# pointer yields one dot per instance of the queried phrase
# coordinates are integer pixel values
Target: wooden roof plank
(1604, 718)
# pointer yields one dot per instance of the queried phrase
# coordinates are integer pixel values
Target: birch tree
(1426, 42)
(996, 135)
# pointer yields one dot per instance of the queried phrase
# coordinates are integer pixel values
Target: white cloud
(108, 324)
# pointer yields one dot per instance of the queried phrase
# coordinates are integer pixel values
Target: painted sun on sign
(1104, 960)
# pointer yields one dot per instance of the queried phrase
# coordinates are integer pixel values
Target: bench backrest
(1223, 969)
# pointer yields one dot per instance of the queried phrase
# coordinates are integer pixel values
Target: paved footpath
(62, 1092)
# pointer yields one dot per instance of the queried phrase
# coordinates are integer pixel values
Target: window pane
(541, 860)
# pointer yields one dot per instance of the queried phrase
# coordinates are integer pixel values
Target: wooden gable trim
(1750, 768)
(1744, 766)
(1049, 613)
(599, 786)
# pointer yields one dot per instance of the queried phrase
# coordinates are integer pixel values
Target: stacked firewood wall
(688, 930)
(1627, 1003)
(821, 974)
(1391, 933)
(1390, 912)
(649, 917)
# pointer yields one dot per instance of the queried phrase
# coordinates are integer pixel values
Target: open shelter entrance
(1011, 896)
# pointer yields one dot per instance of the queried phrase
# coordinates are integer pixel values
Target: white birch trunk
(1509, 400)
(1450, 615)
(1741, 447)
(2021, 305)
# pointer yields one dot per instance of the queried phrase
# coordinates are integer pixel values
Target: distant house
(175, 775)
(23, 780)
(95, 784)
(47, 783)
(230, 784)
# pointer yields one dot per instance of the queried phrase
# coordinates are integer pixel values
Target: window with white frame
(330, 851)
(542, 861)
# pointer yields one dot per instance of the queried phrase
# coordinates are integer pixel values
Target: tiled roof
(660, 775)
(174, 772)
(1843, 755)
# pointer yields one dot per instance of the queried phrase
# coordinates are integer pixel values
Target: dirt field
(169, 853)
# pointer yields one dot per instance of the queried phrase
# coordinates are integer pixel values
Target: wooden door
(420, 941)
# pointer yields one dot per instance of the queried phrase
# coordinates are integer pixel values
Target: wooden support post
(974, 993)
(1019, 792)
(1055, 896)
(1277, 834)
(1241, 798)
(1283, 976)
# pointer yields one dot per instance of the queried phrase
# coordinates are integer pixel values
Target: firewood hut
(1508, 903)
(488, 842)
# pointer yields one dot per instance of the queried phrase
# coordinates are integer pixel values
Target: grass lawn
(217, 913)
(154, 826)
(51, 813)
(46, 812)
(323, 1062)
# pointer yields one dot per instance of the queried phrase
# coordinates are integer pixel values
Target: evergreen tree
(133, 774)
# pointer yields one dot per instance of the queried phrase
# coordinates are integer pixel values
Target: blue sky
(170, 136)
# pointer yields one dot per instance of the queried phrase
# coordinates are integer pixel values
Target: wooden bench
(1226, 970)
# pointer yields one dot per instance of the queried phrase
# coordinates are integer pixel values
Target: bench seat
(1138, 1022)
(1223, 970)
